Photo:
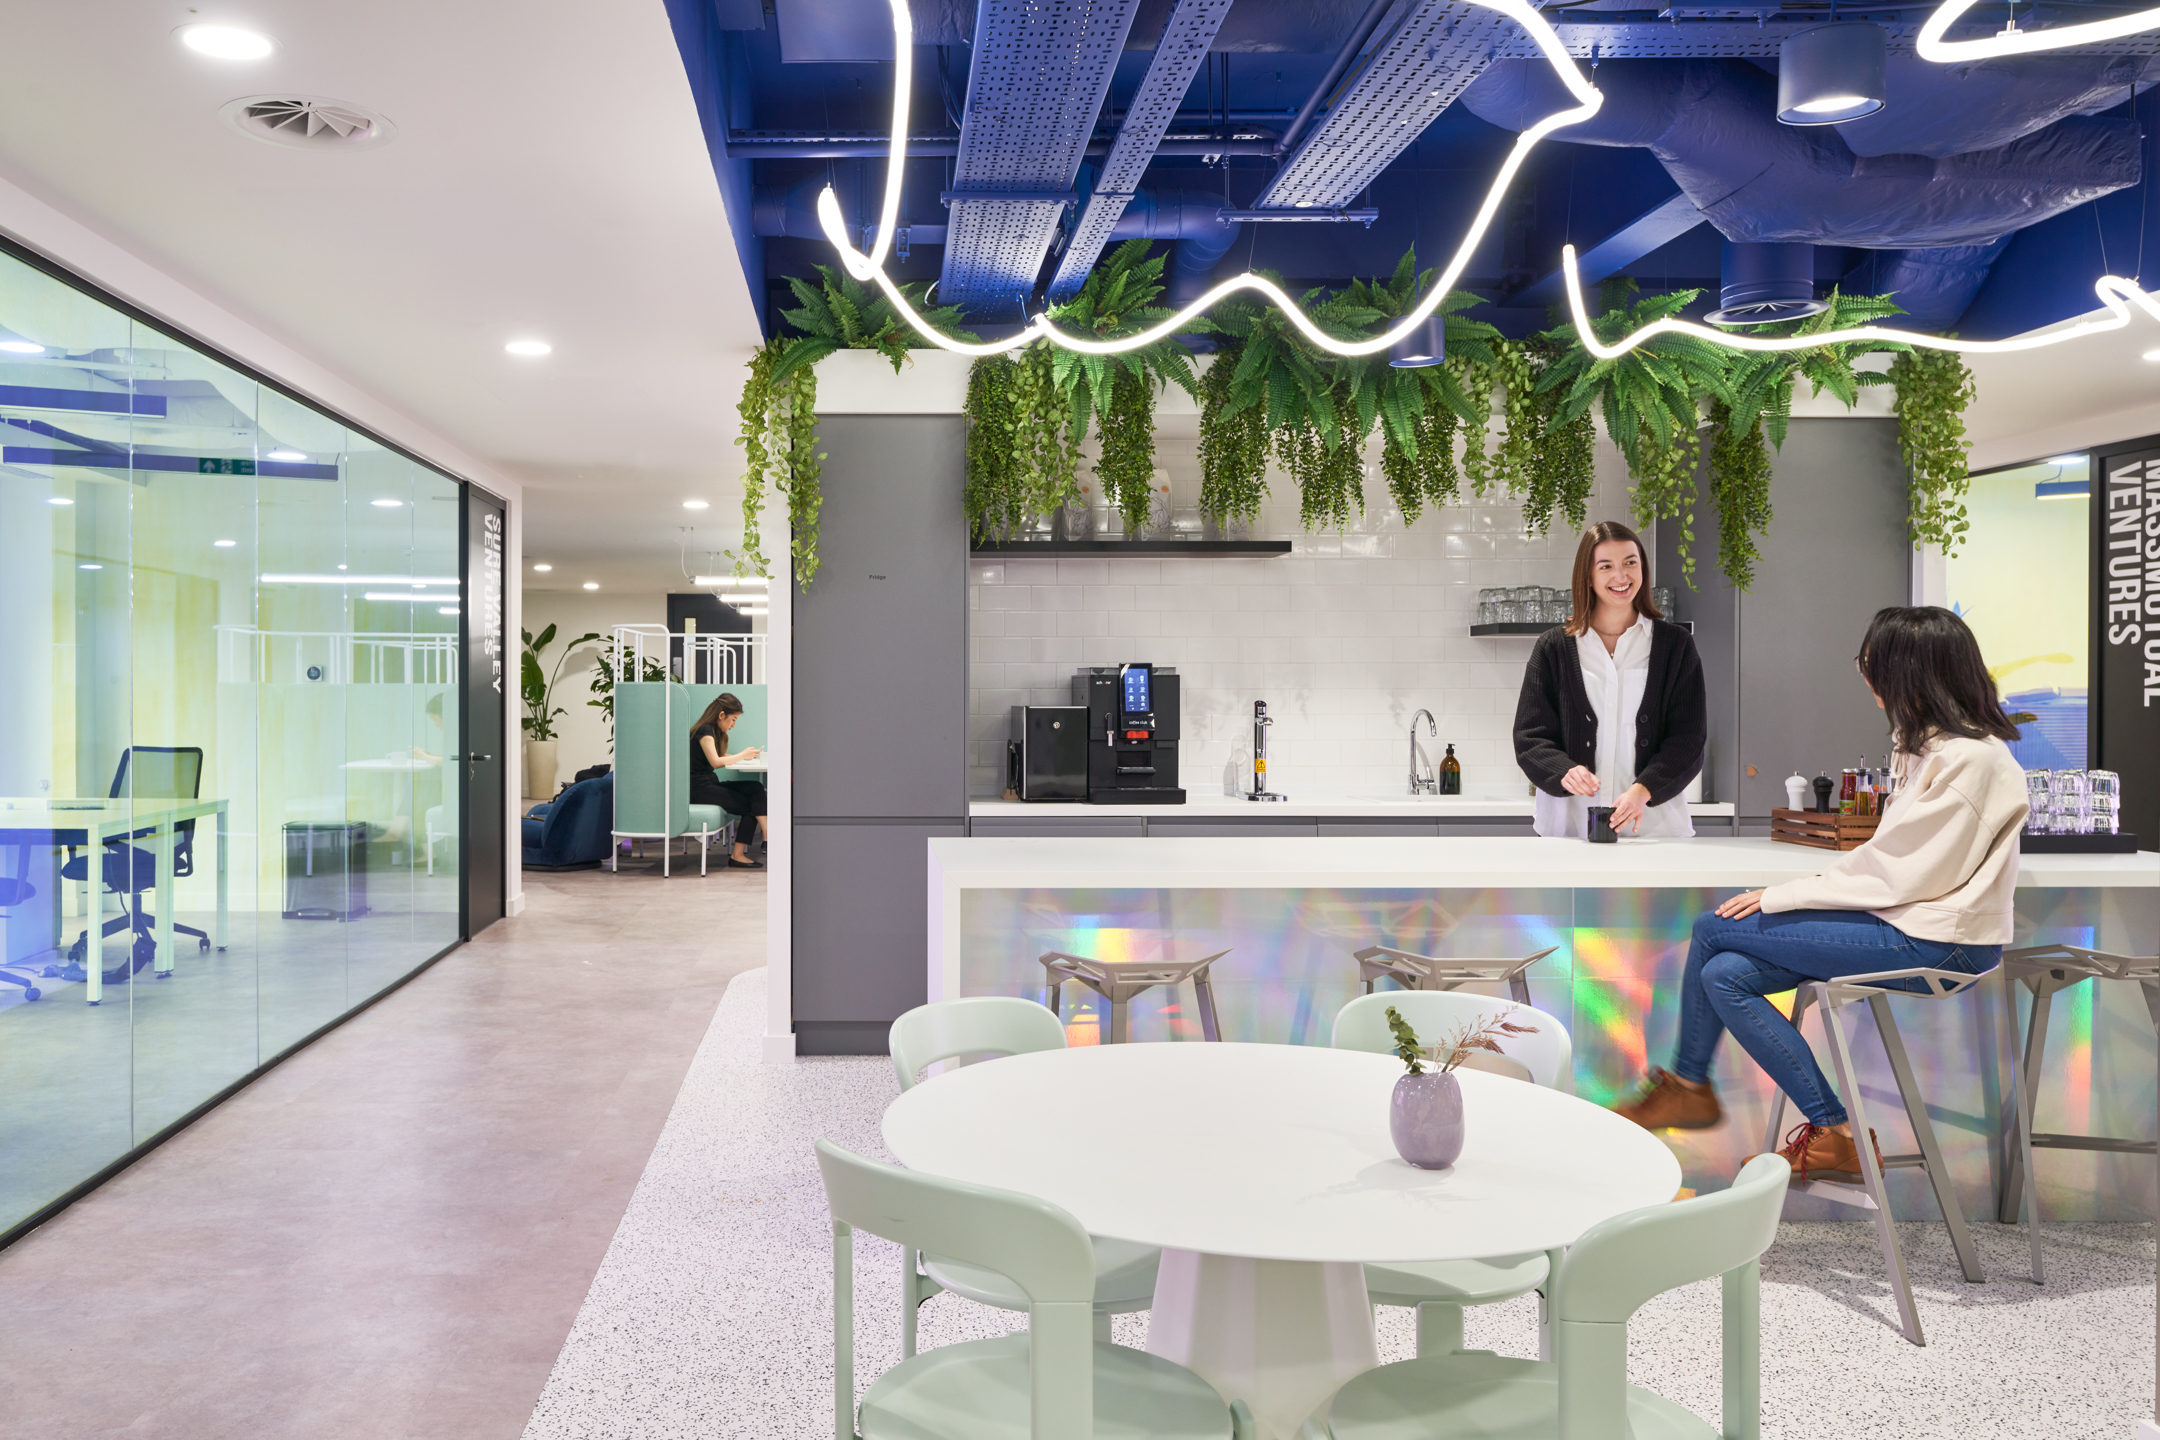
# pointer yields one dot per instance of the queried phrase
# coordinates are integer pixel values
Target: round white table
(1266, 1174)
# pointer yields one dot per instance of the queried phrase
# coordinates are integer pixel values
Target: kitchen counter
(1460, 863)
(1606, 925)
(1314, 807)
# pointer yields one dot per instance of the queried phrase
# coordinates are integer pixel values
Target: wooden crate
(1824, 832)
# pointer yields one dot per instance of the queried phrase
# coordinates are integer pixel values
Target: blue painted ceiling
(1990, 195)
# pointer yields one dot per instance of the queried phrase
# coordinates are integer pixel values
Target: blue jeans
(1733, 964)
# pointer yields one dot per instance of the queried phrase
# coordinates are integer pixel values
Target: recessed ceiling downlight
(531, 349)
(307, 122)
(226, 42)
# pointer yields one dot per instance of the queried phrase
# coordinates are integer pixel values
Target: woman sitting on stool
(1932, 889)
(708, 752)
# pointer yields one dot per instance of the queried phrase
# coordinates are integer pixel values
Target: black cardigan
(1556, 730)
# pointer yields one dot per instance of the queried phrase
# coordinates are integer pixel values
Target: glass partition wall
(228, 685)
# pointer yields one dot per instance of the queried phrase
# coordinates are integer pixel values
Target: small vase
(1425, 1119)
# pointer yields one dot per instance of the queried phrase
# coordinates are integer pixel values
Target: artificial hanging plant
(1022, 458)
(1648, 398)
(842, 313)
(1933, 389)
(779, 440)
(1117, 299)
(779, 401)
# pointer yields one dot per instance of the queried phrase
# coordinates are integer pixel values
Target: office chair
(13, 892)
(162, 772)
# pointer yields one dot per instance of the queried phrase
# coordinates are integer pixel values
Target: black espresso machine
(1132, 734)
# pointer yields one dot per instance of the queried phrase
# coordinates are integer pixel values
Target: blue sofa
(574, 830)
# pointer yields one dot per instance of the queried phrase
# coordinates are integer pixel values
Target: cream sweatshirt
(1944, 863)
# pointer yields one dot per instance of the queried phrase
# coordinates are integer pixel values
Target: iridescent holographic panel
(1614, 980)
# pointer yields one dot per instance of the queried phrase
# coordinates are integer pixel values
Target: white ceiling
(548, 178)
(2069, 397)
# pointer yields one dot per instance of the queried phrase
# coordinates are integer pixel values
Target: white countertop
(1422, 863)
(1359, 807)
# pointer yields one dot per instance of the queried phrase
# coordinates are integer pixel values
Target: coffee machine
(1132, 733)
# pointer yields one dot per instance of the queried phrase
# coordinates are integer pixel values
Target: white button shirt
(1615, 685)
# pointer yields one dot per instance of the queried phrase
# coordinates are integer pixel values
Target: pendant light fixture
(1831, 73)
(1426, 345)
(1763, 284)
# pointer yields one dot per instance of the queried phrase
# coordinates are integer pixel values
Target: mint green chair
(1583, 1394)
(1054, 1382)
(1438, 1289)
(1001, 1025)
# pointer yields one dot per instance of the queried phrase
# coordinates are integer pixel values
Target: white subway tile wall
(1346, 637)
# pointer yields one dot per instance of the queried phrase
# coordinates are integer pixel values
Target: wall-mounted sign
(2126, 630)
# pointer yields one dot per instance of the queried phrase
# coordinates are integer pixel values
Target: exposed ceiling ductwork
(1713, 125)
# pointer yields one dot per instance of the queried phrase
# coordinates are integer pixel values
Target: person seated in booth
(1933, 889)
(740, 798)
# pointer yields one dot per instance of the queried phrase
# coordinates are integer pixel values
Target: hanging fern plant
(1119, 390)
(842, 313)
(1022, 461)
(1648, 399)
(779, 440)
(1933, 389)
(1233, 445)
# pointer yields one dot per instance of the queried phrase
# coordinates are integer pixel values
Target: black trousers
(743, 798)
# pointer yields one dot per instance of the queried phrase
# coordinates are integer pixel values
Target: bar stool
(2047, 970)
(1832, 996)
(1118, 981)
(1444, 972)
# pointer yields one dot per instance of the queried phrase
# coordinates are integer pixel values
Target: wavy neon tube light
(2115, 293)
(2011, 41)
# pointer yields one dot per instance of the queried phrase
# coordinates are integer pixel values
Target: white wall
(1345, 638)
(582, 732)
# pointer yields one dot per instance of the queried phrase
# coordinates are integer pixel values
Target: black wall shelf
(1132, 547)
(1512, 627)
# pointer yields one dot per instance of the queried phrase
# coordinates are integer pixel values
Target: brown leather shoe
(1669, 1104)
(1816, 1152)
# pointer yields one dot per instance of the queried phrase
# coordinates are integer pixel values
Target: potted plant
(1425, 1114)
(538, 690)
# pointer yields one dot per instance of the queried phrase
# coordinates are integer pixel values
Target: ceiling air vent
(307, 122)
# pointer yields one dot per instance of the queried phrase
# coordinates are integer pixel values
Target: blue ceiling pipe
(1712, 124)
(1764, 284)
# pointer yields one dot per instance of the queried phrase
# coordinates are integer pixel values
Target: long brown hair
(1925, 664)
(723, 704)
(1585, 591)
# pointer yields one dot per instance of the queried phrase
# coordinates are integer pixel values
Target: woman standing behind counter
(1612, 710)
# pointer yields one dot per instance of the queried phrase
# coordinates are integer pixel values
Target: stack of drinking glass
(1522, 605)
(2073, 802)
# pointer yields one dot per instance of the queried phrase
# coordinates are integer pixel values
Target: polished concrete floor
(390, 1234)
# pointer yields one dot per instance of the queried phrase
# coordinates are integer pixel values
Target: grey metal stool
(1870, 1194)
(2047, 970)
(1444, 972)
(1118, 981)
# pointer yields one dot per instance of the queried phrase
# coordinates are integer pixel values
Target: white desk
(89, 824)
(1267, 1174)
(398, 765)
(758, 766)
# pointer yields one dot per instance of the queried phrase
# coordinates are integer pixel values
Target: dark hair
(1925, 665)
(434, 705)
(723, 704)
(1585, 592)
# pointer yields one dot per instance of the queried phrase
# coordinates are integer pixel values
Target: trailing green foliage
(604, 681)
(1022, 459)
(1119, 390)
(1934, 387)
(842, 313)
(1740, 488)
(779, 440)
(1757, 407)
(1233, 445)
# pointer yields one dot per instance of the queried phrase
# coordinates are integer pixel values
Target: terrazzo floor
(710, 1315)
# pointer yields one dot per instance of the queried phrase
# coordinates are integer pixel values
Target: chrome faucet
(1430, 786)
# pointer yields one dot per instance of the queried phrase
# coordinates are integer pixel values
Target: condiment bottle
(1450, 773)
(1848, 793)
